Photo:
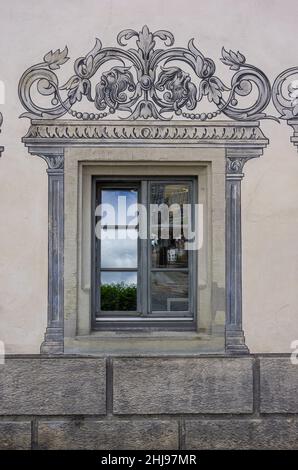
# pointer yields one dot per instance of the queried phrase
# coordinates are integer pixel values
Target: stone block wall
(214, 402)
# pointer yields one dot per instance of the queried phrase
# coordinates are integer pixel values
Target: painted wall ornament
(145, 82)
(285, 93)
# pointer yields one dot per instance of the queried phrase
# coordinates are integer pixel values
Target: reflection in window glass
(169, 291)
(169, 210)
(119, 248)
(118, 291)
(122, 202)
(169, 253)
(144, 280)
(168, 193)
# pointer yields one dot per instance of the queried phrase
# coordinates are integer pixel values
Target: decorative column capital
(53, 156)
(234, 167)
(236, 159)
(54, 162)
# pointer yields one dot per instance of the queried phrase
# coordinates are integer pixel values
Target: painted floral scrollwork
(180, 90)
(285, 93)
(110, 91)
(145, 83)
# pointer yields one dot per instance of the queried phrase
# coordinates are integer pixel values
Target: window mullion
(143, 265)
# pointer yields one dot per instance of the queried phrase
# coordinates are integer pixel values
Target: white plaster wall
(266, 32)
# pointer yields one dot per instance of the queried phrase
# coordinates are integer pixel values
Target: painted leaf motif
(96, 49)
(76, 93)
(295, 110)
(145, 42)
(126, 34)
(77, 88)
(233, 59)
(71, 83)
(203, 88)
(165, 36)
(89, 64)
(287, 113)
(57, 58)
(212, 88)
(199, 59)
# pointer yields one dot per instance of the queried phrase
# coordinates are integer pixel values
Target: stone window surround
(142, 169)
(56, 140)
(80, 165)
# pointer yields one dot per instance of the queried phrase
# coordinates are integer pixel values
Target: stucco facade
(269, 189)
(39, 206)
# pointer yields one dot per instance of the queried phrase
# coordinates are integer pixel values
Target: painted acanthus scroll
(285, 93)
(145, 82)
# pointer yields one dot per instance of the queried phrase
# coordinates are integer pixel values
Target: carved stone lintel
(54, 337)
(66, 133)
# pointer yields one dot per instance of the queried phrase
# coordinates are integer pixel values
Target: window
(144, 273)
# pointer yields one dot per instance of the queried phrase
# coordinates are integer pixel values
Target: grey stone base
(210, 402)
(235, 342)
(51, 347)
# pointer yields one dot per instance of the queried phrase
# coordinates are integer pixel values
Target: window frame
(140, 321)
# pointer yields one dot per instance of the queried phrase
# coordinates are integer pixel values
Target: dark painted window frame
(144, 268)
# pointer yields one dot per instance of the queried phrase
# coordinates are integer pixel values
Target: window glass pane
(164, 270)
(169, 210)
(168, 193)
(119, 248)
(169, 291)
(167, 234)
(121, 203)
(169, 253)
(118, 291)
